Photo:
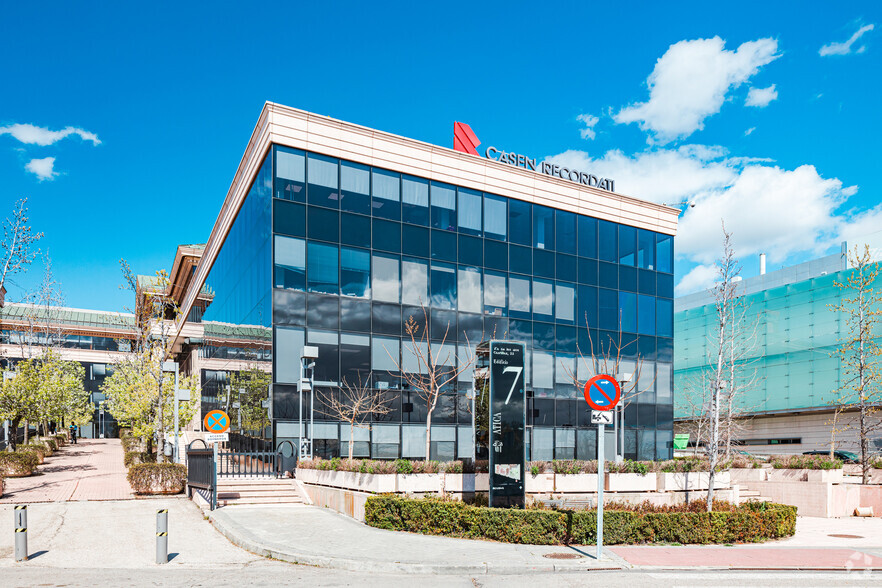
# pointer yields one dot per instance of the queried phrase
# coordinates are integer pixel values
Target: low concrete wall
(346, 502)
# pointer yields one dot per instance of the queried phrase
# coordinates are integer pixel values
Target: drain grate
(844, 536)
(562, 555)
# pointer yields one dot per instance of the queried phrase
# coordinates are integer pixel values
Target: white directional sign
(217, 437)
(601, 417)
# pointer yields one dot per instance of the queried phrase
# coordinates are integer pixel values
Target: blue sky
(765, 114)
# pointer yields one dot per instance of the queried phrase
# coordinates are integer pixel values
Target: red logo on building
(464, 139)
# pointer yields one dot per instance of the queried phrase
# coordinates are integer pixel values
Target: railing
(246, 463)
(201, 472)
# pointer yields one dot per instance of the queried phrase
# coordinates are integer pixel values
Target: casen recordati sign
(465, 140)
(507, 424)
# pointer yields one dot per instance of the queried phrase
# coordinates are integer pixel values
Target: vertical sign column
(508, 418)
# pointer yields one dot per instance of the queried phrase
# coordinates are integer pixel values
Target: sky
(124, 123)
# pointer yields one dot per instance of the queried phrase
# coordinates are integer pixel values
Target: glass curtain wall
(358, 250)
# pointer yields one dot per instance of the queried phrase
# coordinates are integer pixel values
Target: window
(495, 294)
(519, 296)
(645, 249)
(322, 268)
(387, 235)
(289, 348)
(646, 314)
(322, 175)
(443, 285)
(355, 272)
(288, 219)
(290, 263)
(385, 355)
(543, 298)
(443, 207)
(414, 200)
(323, 224)
(587, 237)
(469, 212)
(543, 227)
(520, 222)
(664, 317)
(414, 281)
(628, 312)
(565, 227)
(543, 373)
(355, 183)
(607, 237)
(664, 253)
(469, 290)
(627, 245)
(565, 298)
(385, 278)
(386, 194)
(355, 229)
(327, 366)
(290, 181)
(495, 217)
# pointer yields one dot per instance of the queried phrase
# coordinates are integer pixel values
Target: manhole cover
(843, 536)
(562, 555)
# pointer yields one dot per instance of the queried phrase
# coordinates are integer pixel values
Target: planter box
(680, 481)
(832, 476)
(576, 483)
(630, 483)
(161, 491)
(420, 482)
(744, 476)
(539, 484)
(463, 483)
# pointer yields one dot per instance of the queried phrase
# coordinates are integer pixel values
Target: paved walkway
(320, 537)
(92, 469)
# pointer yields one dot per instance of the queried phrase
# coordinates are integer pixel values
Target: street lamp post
(307, 381)
(180, 394)
(7, 375)
(623, 379)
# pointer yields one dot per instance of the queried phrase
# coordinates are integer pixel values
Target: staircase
(242, 490)
(751, 496)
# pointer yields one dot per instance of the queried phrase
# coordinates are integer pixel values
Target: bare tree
(18, 240)
(353, 403)
(860, 350)
(436, 367)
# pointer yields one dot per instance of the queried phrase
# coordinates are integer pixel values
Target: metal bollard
(162, 536)
(21, 532)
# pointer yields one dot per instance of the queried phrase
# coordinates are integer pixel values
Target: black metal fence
(201, 472)
(246, 463)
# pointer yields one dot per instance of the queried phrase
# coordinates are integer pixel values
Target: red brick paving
(755, 557)
(90, 470)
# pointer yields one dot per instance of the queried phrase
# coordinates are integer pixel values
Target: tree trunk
(351, 439)
(160, 450)
(833, 433)
(428, 434)
(27, 427)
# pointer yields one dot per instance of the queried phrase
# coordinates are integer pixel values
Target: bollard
(162, 536)
(21, 532)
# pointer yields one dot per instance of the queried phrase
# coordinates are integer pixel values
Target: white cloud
(701, 277)
(749, 131)
(845, 48)
(761, 96)
(690, 82)
(34, 135)
(42, 168)
(590, 120)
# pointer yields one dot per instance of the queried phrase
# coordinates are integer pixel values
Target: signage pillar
(600, 475)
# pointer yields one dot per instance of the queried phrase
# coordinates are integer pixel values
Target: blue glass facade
(339, 255)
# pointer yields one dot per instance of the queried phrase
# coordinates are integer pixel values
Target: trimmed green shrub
(157, 478)
(52, 443)
(61, 440)
(18, 464)
(805, 462)
(750, 522)
(379, 466)
(135, 457)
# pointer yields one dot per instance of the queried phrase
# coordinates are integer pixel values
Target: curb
(242, 538)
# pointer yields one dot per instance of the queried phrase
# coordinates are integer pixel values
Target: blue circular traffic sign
(602, 392)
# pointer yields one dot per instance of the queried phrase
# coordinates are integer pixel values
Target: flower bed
(378, 466)
(18, 464)
(805, 462)
(157, 478)
(750, 522)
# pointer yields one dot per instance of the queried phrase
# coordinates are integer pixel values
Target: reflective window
(495, 294)
(443, 206)
(469, 289)
(290, 183)
(322, 268)
(664, 253)
(543, 335)
(646, 314)
(496, 255)
(443, 284)
(519, 296)
(289, 218)
(324, 311)
(355, 314)
(587, 237)
(414, 200)
(385, 355)
(543, 298)
(355, 183)
(565, 267)
(470, 204)
(587, 307)
(355, 272)
(607, 237)
(645, 249)
(543, 373)
(543, 227)
(386, 194)
(415, 240)
(664, 317)
(471, 250)
(327, 366)
(289, 307)
(520, 222)
(495, 217)
(386, 318)
(384, 278)
(627, 245)
(414, 281)
(322, 177)
(565, 227)
(521, 259)
(290, 263)
(543, 263)
(587, 271)
(323, 224)
(443, 246)
(288, 349)
(628, 312)
(355, 229)
(564, 309)
(608, 310)
(387, 235)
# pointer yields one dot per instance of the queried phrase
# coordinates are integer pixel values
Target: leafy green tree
(250, 388)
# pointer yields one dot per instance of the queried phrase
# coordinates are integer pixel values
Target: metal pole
(616, 433)
(162, 536)
(21, 532)
(311, 410)
(175, 452)
(600, 473)
(622, 428)
(214, 477)
(300, 412)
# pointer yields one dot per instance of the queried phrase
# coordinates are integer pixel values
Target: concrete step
(235, 501)
(255, 494)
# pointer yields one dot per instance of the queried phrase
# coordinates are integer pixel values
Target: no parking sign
(602, 392)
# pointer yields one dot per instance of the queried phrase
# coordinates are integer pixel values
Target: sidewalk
(92, 469)
(319, 537)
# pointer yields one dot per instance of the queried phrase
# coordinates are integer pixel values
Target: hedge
(378, 466)
(750, 522)
(135, 457)
(157, 478)
(18, 464)
(806, 462)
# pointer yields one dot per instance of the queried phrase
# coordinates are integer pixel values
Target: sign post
(602, 393)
